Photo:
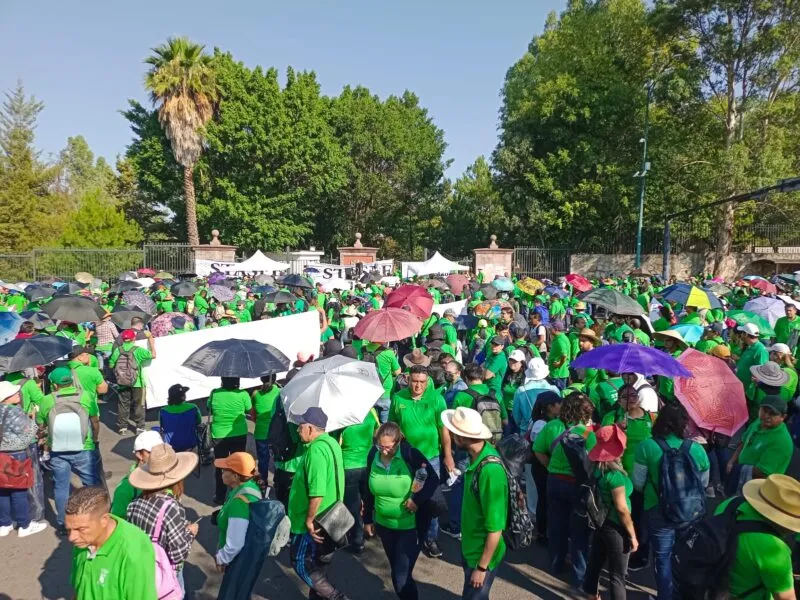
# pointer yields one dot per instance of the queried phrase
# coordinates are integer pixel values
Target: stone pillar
(357, 253)
(493, 261)
(215, 250)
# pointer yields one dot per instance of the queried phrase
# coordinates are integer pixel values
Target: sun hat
(770, 373)
(164, 468)
(750, 329)
(589, 334)
(670, 334)
(780, 348)
(549, 397)
(61, 376)
(497, 340)
(483, 323)
(610, 445)
(721, 351)
(8, 389)
(147, 440)
(580, 305)
(466, 422)
(128, 335)
(517, 355)
(537, 369)
(241, 463)
(775, 403)
(776, 498)
(416, 358)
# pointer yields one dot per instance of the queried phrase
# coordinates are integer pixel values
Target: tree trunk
(191, 206)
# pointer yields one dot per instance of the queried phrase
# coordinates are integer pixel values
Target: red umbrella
(413, 298)
(579, 282)
(457, 283)
(388, 325)
(145, 272)
(765, 286)
(713, 396)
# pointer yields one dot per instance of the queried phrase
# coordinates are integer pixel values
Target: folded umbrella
(295, 280)
(613, 301)
(388, 325)
(713, 396)
(121, 316)
(10, 322)
(74, 309)
(345, 389)
(413, 298)
(41, 320)
(35, 351)
(183, 289)
(140, 300)
(769, 309)
(126, 285)
(164, 323)
(578, 282)
(631, 358)
(237, 358)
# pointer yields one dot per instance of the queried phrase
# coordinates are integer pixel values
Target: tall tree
(182, 83)
(80, 172)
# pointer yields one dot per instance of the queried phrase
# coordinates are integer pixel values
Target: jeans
(481, 593)
(130, 398)
(662, 538)
(310, 561)
(200, 321)
(382, 408)
(263, 455)
(402, 550)
(718, 459)
(223, 448)
(560, 383)
(433, 528)
(14, 504)
(608, 544)
(455, 494)
(355, 488)
(83, 464)
(540, 475)
(565, 527)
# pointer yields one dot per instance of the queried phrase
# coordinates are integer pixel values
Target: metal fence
(541, 262)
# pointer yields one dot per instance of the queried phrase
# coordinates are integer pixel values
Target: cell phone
(197, 521)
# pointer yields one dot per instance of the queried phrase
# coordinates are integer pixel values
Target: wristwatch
(481, 569)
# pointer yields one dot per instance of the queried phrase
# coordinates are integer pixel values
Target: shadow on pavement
(59, 561)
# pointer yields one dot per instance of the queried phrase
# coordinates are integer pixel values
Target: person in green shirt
(317, 485)
(201, 308)
(228, 407)
(781, 354)
(448, 325)
(559, 357)
(674, 345)
(125, 493)
(131, 397)
(388, 368)
(753, 353)
(616, 539)
(265, 402)
(473, 377)
(575, 419)
(496, 364)
(484, 511)
(762, 565)
(787, 325)
(692, 317)
(30, 390)
(112, 559)
(356, 442)
(766, 446)
(712, 337)
(89, 378)
(640, 335)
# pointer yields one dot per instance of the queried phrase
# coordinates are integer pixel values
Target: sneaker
(447, 530)
(710, 493)
(33, 527)
(123, 431)
(5, 530)
(431, 549)
(638, 565)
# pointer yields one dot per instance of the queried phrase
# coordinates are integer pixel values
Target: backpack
(126, 371)
(518, 533)
(489, 409)
(167, 586)
(590, 505)
(681, 495)
(279, 436)
(68, 423)
(703, 556)
(574, 445)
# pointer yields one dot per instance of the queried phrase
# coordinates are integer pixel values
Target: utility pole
(642, 175)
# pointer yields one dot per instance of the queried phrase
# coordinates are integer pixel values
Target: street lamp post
(642, 174)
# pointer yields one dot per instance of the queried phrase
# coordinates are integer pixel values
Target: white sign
(327, 271)
(204, 268)
(458, 307)
(290, 335)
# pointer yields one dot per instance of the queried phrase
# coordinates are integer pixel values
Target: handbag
(14, 474)
(336, 520)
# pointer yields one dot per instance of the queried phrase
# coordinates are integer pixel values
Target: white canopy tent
(435, 264)
(258, 263)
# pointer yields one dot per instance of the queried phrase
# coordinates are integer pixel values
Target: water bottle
(419, 479)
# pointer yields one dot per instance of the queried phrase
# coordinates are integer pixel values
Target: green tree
(79, 170)
(99, 223)
(182, 83)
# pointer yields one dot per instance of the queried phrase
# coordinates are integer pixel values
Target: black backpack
(281, 441)
(590, 505)
(703, 555)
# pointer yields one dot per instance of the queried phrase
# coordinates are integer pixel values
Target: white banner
(328, 271)
(458, 307)
(204, 268)
(290, 335)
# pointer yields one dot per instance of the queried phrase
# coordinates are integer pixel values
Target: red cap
(128, 335)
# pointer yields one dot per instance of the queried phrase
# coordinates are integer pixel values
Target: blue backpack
(682, 497)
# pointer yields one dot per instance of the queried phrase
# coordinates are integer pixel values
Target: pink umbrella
(413, 298)
(578, 282)
(457, 282)
(388, 325)
(713, 396)
(764, 285)
(162, 325)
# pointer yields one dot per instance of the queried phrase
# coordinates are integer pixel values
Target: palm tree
(183, 85)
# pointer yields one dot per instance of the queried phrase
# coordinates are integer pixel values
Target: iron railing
(538, 263)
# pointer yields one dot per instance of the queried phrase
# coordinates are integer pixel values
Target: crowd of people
(485, 432)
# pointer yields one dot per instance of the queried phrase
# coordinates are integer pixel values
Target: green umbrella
(742, 317)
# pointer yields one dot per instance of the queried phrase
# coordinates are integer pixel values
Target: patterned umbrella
(141, 301)
(163, 324)
(530, 286)
(491, 308)
(221, 293)
(689, 295)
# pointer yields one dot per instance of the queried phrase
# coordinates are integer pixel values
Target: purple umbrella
(631, 358)
(140, 300)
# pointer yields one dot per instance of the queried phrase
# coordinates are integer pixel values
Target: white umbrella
(771, 309)
(344, 388)
(10, 286)
(145, 281)
(789, 300)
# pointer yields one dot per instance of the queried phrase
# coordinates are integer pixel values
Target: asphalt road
(38, 567)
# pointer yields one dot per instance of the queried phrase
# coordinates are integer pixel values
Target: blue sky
(84, 58)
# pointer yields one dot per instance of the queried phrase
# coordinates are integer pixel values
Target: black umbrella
(466, 322)
(263, 289)
(184, 289)
(33, 352)
(124, 286)
(39, 319)
(295, 280)
(73, 287)
(39, 292)
(167, 283)
(237, 358)
(121, 316)
(74, 309)
(613, 301)
(280, 298)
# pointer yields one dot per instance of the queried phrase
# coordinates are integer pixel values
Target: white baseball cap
(7, 389)
(146, 440)
(749, 329)
(780, 349)
(517, 355)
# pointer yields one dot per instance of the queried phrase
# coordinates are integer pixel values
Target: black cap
(775, 403)
(498, 340)
(314, 416)
(176, 391)
(549, 397)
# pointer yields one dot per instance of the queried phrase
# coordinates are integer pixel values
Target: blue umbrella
(689, 295)
(466, 322)
(691, 334)
(560, 292)
(503, 284)
(631, 358)
(10, 322)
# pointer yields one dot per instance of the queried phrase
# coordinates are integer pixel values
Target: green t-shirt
(754, 355)
(357, 441)
(559, 348)
(467, 401)
(485, 513)
(234, 508)
(649, 455)
(642, 337)
(315, 478)
(611, 480)
(387, 365)
(497, 364)
(124, 495)
(140, 355)
(391, 487)
(86, 401)
(228, 410)
(265, 404)
(88, 377)
(768, 450)
(30, 392)
(123, 567)
(419, 420)
(559, 465)
(784, 328)
(761, 558)
(557, 310)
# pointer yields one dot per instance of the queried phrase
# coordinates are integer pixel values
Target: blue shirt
(525, 398)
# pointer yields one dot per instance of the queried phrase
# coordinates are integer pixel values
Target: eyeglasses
(380, 448)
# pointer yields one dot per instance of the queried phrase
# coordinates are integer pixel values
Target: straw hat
(7, 389)
(610, 445)
(670, 334)
(416, 358)
(770, 373)
(590, 335)
(777, 498)
(165, 468)
(537, 369)
(466, 422)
